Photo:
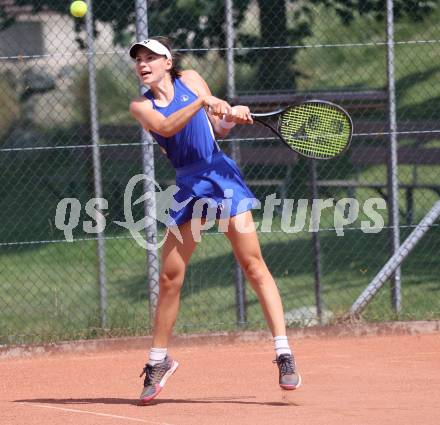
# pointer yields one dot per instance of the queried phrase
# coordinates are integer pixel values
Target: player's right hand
(241, 115)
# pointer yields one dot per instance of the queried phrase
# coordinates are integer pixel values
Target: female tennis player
(182, 115)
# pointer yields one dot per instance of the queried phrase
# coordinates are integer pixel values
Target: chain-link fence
(65, 132)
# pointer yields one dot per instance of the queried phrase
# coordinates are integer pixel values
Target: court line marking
(96, 413)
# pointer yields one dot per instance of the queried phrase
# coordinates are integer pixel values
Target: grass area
(365, 66)
(50, 292)
(354, 57)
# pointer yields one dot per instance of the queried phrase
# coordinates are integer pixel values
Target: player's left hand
(240, 115)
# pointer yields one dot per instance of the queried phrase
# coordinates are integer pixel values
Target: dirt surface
(381, 379)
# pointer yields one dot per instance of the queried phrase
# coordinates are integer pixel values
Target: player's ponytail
(175, 71)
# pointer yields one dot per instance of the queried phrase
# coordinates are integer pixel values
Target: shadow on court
(128, 401)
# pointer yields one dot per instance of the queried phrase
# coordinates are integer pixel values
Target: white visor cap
(153, 45)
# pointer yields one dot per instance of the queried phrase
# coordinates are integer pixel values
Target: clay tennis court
(370, 379)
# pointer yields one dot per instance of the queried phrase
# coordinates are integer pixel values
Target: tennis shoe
(289, 378)
(155, 378)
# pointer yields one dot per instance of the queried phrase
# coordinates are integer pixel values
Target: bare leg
(175, 257)
(247, 250)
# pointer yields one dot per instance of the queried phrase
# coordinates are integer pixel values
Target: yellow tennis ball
(78, 8)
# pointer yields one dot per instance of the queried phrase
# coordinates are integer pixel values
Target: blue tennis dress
(210, 183)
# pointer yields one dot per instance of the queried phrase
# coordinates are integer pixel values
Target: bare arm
(198, 85)
(150, 119)
(142, 110)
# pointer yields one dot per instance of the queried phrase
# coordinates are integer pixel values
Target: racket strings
(316, 129)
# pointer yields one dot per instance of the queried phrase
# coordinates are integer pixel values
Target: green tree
(200, 24)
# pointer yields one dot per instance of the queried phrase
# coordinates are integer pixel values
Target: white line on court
(128, 418)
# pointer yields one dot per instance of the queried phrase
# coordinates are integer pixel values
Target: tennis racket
(315, 128)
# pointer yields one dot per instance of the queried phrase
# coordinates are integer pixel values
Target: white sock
(157, 355)
(281, 345)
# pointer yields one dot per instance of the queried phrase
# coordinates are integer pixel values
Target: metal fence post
(393, 178)
(97, 177)
(240, 287)
(148, 171)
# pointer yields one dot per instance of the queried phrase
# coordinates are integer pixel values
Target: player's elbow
(136, 113)
(133, 109)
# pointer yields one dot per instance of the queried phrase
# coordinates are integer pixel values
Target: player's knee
(170, 282)
(255, 270)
